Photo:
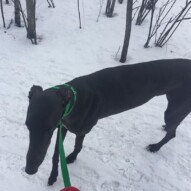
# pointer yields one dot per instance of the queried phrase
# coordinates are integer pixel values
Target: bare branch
(79, 15)
(101, 5)
(184, 19)
(172, 25)
(50, 3)
(146, 8)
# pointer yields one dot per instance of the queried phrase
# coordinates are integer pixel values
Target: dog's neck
(69, 96)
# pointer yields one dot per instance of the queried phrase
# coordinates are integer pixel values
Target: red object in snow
(71, 188)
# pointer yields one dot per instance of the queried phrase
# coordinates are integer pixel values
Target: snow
(114, 157)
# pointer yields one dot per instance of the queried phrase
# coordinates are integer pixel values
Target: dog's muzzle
(31, 170)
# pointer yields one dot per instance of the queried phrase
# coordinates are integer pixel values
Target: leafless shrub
(172, 25)
(168, 26)
(145, 9)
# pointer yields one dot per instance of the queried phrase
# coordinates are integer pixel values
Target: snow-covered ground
(114, 156)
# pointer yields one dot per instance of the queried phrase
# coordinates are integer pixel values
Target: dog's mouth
(31, 170)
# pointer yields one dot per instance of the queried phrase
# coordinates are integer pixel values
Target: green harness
(68, 110)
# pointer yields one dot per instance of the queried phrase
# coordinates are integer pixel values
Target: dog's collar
(69, 105)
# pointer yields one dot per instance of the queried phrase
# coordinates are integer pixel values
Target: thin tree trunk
(150, 28)
(127, 31)
(7, 1)
(110, 8)
(31, 32)
(2, 13)
(17, 13)
(107, 6)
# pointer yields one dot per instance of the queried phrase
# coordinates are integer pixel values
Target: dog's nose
(31, 170)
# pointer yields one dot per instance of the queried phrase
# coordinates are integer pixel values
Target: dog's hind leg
(170, 107)
(77, 148)
(55, 159)
(177, 110)
(155, 147)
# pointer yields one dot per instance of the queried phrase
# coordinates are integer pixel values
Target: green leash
(64, 168)
(68, 110)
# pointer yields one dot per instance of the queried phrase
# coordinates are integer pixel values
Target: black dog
(104, 93)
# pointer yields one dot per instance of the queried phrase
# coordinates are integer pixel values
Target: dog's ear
(65, 94)
(34, 90)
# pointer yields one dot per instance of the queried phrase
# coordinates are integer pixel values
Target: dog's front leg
(77, 148)
(55, 159)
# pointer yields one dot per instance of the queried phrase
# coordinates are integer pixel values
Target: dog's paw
(52, 180)
(153, 148)
(71, 158)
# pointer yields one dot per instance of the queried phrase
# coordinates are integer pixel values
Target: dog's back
(125, 87)
(114, 90)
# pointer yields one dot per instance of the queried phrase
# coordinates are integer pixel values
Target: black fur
(103, 93)
(34, 90)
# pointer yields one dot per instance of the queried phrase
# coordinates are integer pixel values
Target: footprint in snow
(111, 186)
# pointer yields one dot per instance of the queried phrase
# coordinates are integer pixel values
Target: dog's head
(44, 112)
